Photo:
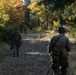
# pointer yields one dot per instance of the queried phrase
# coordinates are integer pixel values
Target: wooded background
(41, 14)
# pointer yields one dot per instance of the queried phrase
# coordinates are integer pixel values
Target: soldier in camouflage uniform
(59, 46)
(15, 42)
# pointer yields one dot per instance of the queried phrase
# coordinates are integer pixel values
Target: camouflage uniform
(15, 42)
(59, 53)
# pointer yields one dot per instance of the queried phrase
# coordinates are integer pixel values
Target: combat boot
(64, 72)
(56, 72)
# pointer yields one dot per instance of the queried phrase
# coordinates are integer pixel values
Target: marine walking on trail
(59, 47)
(16, 41)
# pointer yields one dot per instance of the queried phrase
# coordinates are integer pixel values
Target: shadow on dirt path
(33, 59)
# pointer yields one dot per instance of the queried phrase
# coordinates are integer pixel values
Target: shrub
(4, 50)
(39, 29)
(5, 34)
(73, 33)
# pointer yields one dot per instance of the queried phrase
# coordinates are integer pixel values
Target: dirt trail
(33, 59)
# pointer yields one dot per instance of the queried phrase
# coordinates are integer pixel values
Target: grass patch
(4, 49)
(72, 60)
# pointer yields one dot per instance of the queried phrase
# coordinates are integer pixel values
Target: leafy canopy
(3, 15)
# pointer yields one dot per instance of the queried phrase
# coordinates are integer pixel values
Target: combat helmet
(61, 29)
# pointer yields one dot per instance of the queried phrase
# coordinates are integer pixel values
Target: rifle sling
(56, 41)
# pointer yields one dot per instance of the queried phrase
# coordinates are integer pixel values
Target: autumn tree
(65, 8)
(41, 13)
(69, 14)
(14, 10)
(4, 17)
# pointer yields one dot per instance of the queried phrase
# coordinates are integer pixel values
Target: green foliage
(42, 15)
(5, 34)
(3, 19)
(39, 29)
(73, 33)
(3, 16)
(72, 24)
(59, 4)
(51, 7)
(66, 13)
(69, 10)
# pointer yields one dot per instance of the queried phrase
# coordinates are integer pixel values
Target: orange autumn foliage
(15, 11)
